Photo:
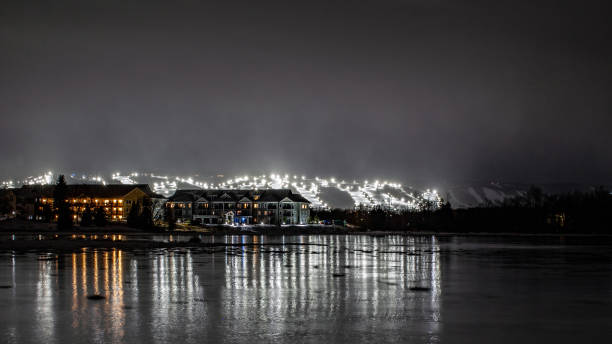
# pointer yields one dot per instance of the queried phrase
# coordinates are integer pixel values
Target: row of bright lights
(363, 193)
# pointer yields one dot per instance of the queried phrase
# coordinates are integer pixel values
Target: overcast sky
(434, 90)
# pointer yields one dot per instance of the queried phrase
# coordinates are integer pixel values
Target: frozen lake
(314, 289)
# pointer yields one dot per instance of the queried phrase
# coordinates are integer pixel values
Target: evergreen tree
(87, 219)
(133, 216)
(170, 218)
(146, 218)
(100, 217)
(6, 201)
(535, 197)
(60, 194)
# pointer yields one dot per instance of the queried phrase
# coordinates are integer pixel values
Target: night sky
(434, 90)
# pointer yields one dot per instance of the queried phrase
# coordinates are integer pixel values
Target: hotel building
(275, 206)
(115, 199)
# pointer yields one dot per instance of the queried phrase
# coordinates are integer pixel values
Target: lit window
(120, 201)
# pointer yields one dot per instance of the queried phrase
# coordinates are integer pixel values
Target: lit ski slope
(321, 192)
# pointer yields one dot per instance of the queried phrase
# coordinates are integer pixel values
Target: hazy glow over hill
(321, 192)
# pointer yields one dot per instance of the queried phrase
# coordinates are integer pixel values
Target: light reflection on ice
(237, 293)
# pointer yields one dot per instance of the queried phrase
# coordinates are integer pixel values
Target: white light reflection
(266, 285)
(262, 286)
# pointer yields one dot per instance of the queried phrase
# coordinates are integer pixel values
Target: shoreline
(37, 228)
(116, 237)
(72, 245)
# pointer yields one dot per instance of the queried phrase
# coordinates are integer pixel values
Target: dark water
(344, 289)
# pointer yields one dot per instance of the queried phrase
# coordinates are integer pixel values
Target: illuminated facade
(276, 206)
(116, 200)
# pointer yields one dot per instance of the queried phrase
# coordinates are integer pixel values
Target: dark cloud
(413, 90)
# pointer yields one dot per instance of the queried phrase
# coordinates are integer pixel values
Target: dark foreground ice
(314, 289)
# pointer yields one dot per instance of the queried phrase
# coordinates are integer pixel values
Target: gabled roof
(226, 196)
(298, 198)
(185, 196)
(92, 190)
(144, 188)
(245, 199)
(268, 197)
(274, 195)
(216, 195)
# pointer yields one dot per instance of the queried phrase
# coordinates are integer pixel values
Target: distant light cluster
(51, 178)
(367, 194)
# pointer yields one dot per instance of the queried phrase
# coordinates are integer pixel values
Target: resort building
(275, 206)
(115, 199)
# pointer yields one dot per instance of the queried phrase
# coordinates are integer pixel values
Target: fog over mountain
(321, 191)
(428, 92)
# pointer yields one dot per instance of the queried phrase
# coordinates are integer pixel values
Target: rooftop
(90, 190)
(218, 195)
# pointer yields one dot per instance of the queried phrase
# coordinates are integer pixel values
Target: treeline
(530, 212)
